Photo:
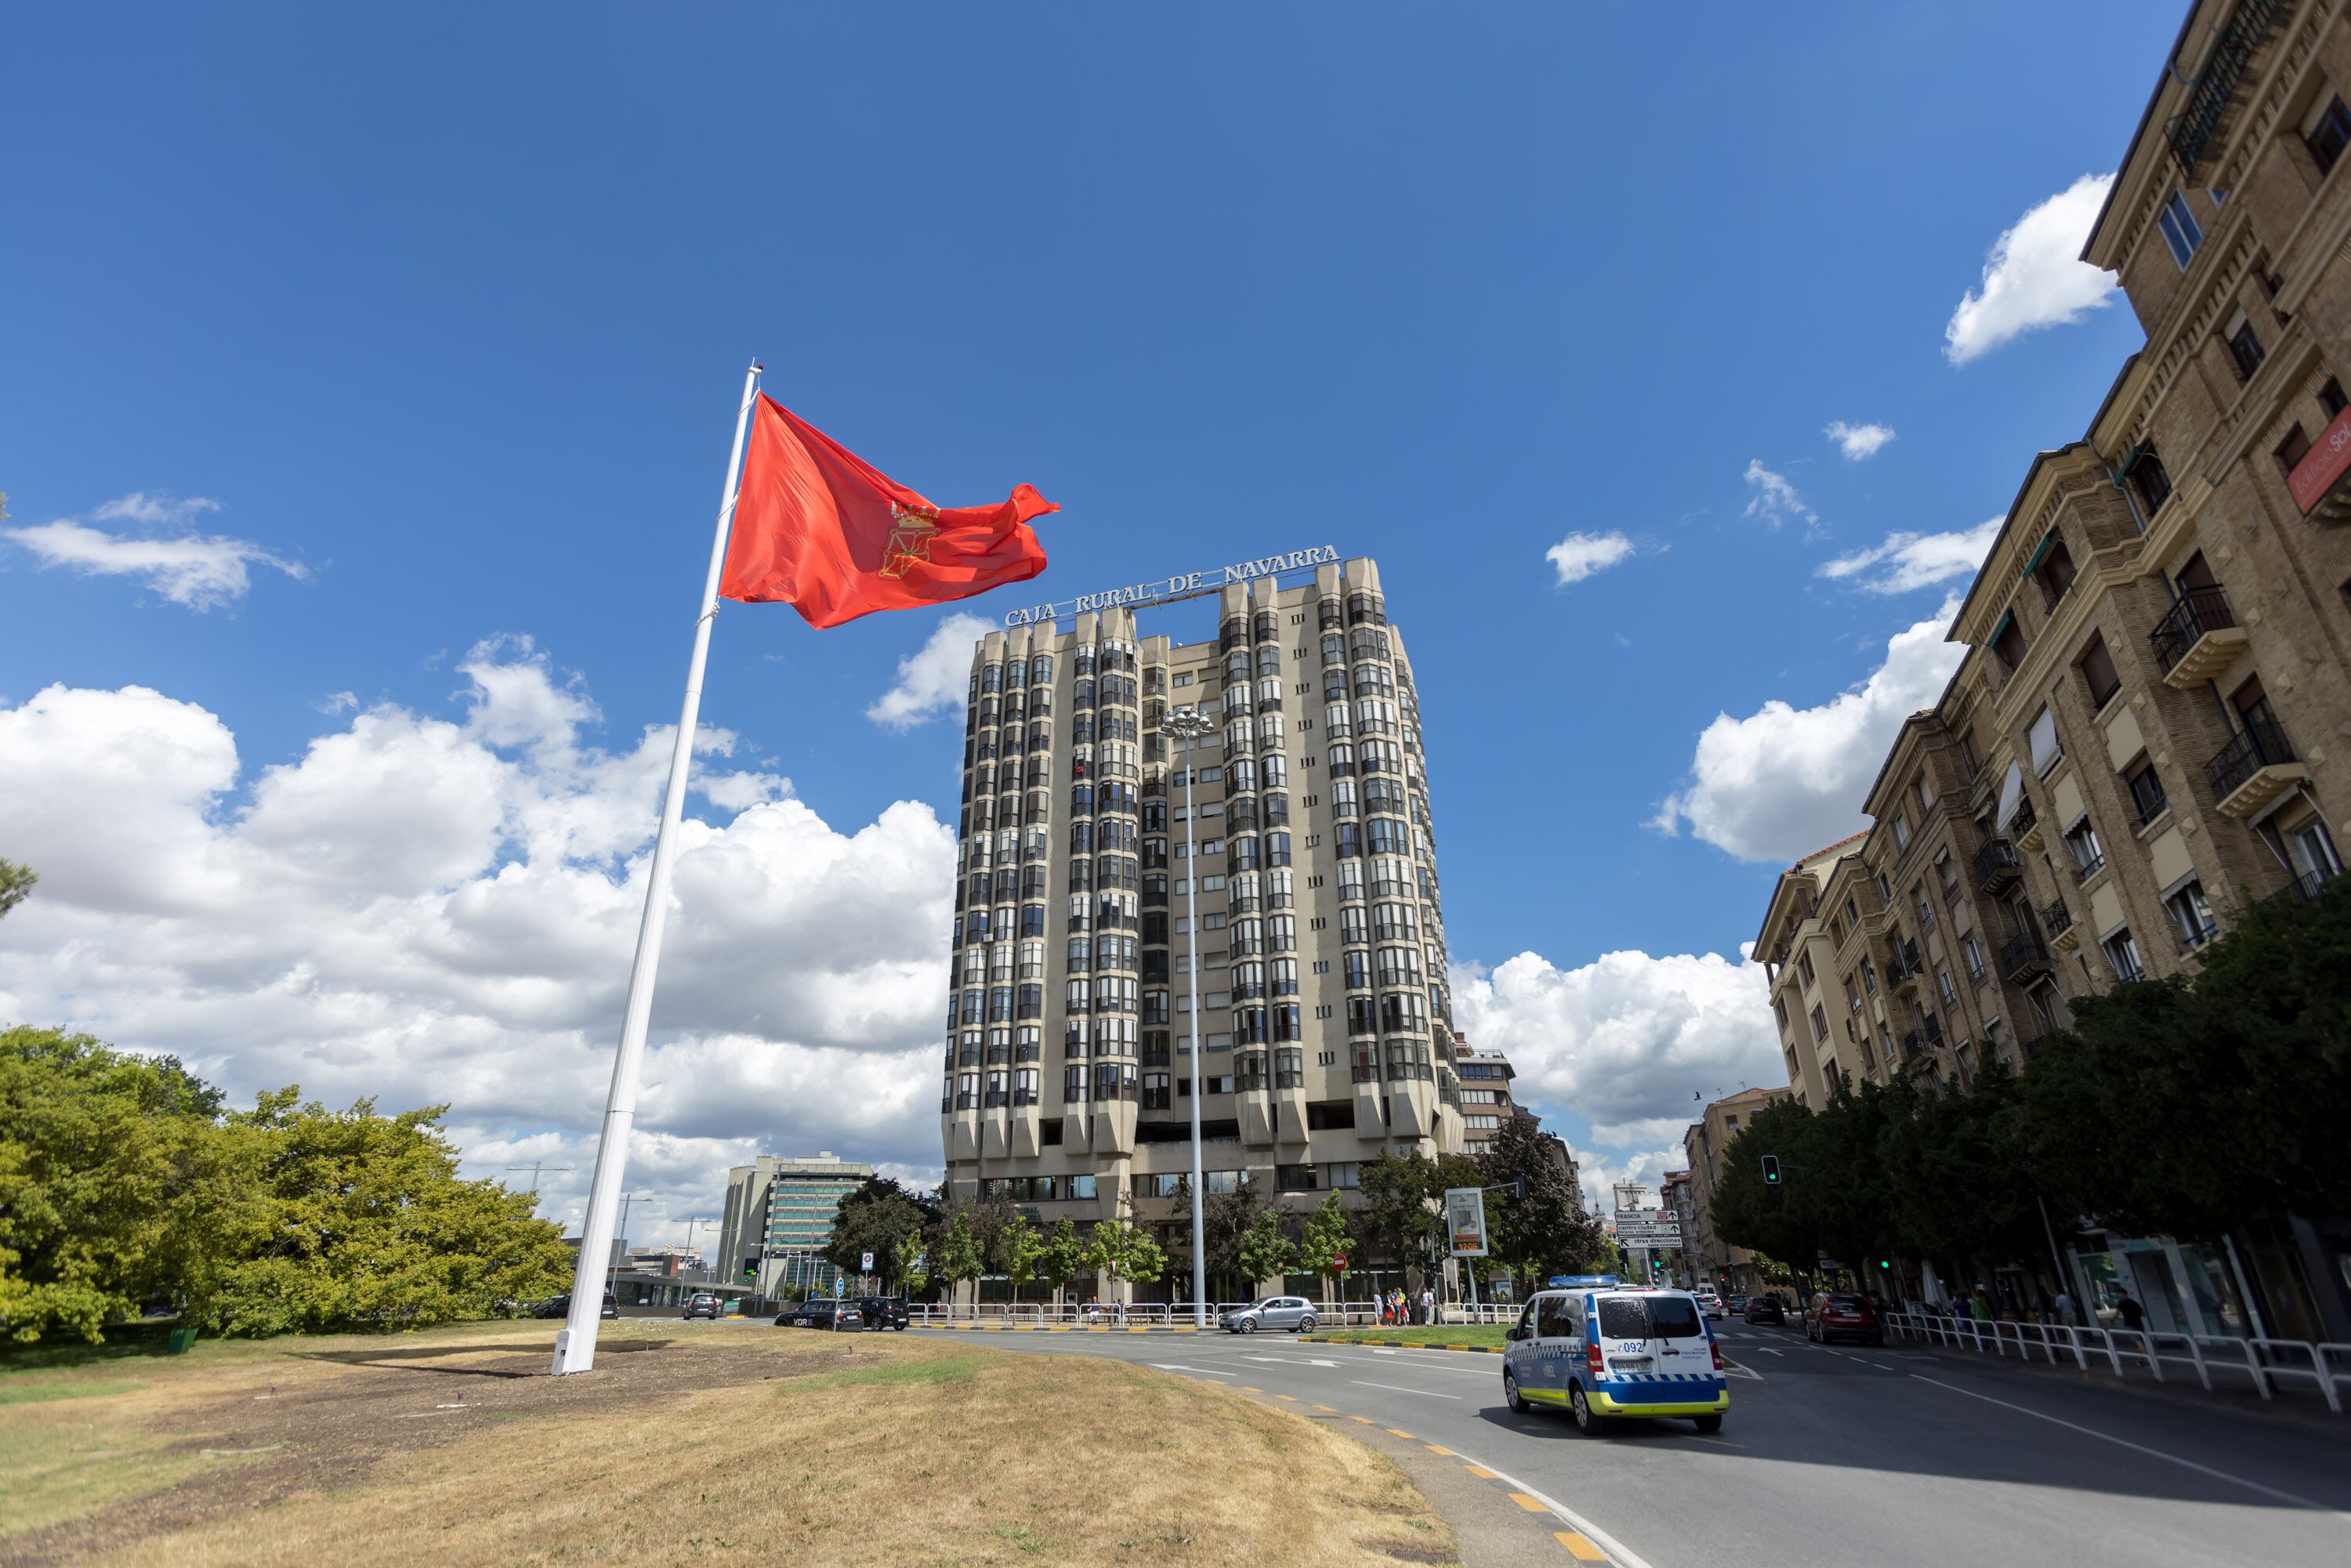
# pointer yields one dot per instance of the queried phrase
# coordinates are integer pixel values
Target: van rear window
(1655, 1317)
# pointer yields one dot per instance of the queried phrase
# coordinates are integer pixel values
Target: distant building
(1674, 1197)
(1712, 1259)
(1487, 1106)
(779, 1214)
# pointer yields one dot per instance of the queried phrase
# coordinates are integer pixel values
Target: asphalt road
(1829, 1457)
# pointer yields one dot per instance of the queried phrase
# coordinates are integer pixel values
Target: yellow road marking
(1366, 1420)
(1327, 1408)
(1251, 1388)
(1529, 1504)
(1582, 1550)
(1482, 1473)
(1400, 1431)
(1292, 1398)
(1447, 1452)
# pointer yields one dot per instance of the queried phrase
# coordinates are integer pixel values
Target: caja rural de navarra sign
(1183, 585)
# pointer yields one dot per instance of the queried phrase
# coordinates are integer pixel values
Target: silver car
(1273, 1312)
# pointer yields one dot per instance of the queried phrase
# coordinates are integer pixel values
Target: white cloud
(1785, 781)
(934, 678)
(1908, 561)
(1626, 1039)
(1859, 443)
(1775, 500)
(338, 702)
(1579, 556)
(437, 909)
(2035, 275)
(201, 571)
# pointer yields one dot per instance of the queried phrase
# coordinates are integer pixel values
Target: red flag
(819, 529)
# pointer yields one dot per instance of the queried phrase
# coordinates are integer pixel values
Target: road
(1830, 1456)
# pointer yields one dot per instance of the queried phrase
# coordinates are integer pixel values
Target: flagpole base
(573, 1353)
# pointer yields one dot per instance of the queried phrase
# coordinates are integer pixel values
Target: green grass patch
(949, 1368)
(1436, 1333)
(34, 1391)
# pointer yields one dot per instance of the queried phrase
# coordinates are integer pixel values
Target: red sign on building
(2323, 465)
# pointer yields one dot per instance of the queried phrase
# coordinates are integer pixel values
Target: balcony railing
(2056, 919)
(2191, 132)
(2199, 612)
(2304, 888)
(2022, 956)
(1996, 865)
(2263, 744)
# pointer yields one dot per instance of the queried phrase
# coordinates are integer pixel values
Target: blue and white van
(1612, 1350)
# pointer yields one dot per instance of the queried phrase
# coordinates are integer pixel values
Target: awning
(2039, 554)
(2002, 630)
(2012, 792)
(2129, 461)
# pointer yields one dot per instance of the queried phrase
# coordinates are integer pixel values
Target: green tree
(1023, 1250)
(1123, 1251)
(1225, 1219)
(1265, 1252)
(876, 1218)
(1062, 1257)
(1539, 1231)
(1324, 1243)
(16, 881)
(1398, 1216)
(912, 1264)
(329, 1219)
(958, 1258)
(105, 1167)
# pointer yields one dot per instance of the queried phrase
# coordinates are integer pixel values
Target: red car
(1833, 1315)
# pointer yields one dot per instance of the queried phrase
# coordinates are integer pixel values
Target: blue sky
(447, 310)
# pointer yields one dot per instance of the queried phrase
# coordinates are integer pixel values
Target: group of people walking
(1397, 1308)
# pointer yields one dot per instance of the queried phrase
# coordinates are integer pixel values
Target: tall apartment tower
(1310, 906)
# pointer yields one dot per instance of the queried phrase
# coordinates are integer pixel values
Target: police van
(1600, 1349)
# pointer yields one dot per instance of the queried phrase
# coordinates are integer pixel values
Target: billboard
(1464, 1220)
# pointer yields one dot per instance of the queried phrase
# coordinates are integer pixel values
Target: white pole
(575, 1346)
(1199, 1083)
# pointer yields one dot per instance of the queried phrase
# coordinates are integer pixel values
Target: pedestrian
(1979, 1306)
(2134, 1315)
(1427, 1306)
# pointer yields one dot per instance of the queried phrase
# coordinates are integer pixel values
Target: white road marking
(1732, 1369)
(1378, 1351)
(1431, 1394)
(2138, 1448)
(1293, 1360)
(1767, 1350)
(1170, 1367)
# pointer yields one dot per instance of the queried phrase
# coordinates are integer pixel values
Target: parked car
(1736, 1301)
(703, 1304)
(560, 1307)
(1615, 1351)
(883, 1312)
(1709, 1302)
(1273, 1312)
(841, 1317)
(1834, 1314)
(1765, 1309)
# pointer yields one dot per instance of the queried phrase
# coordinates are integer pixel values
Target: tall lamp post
(1188, 725)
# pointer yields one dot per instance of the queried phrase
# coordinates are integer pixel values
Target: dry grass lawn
(689, 1442)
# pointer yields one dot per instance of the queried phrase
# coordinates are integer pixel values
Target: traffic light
(1770, 1170)
(1885, 1263)
(750, 1269)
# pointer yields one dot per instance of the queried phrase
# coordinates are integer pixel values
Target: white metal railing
(1153, 1314)
(2266, 1364)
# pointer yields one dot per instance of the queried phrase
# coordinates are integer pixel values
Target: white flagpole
(575, 1346)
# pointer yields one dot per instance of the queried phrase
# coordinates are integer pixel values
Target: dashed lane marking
(1292, 1398)
(1252, 1389)
(1399, 1431)
(1435, 1449)
(1582, 1550)
(1328, 1409)
(1531, 1504)
(1366, 1420)
(1397, 1388)
(1482, 1473)
(1171, 1366)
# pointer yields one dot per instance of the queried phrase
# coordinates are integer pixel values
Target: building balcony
(2023, 958)
(1996, 866)
(2197, 639)
(1905, 967)
(2058, 921)
(2305, 887)
(2254, 769)
(2024, 828)
(2196, 131)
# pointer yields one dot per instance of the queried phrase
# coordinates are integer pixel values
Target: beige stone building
(1306, 900)
(2151, 727)
(1712, 1260)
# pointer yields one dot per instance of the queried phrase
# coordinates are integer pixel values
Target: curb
(1405, 1344)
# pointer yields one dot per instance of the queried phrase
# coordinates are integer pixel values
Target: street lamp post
(1188, 725)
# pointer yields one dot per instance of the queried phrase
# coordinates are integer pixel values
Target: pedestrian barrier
(2265, 1363)
(1139, 1316)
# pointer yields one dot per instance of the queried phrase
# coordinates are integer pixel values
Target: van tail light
(1716, 1346)
(1592, 1358)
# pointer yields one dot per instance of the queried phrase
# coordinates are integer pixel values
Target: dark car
(843, 1317)
(703, 1304)
(1833, 1315)
(883, 1312)
(1765, 1309)
(560, 1307)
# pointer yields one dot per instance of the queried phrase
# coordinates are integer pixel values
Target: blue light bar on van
(1581, 1281)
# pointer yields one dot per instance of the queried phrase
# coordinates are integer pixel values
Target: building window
(2082, 839)
(1295, 1179)
(2097, 668)
(2145, 790)
(2181, 230)
(2042, 738)
(2192, 915)
(1974, 955)
(2328, 134)
(1901, 831)
(2123, 954)
(2245, 350)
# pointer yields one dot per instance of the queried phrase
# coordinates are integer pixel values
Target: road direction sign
(866, 1264)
